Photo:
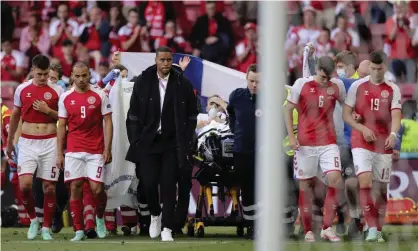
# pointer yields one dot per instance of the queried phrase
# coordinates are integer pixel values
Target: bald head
(363, 68)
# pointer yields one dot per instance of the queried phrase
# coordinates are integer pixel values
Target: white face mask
(212, 113)
(124, 79)
(341, 73)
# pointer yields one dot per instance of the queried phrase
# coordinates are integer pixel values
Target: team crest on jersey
(258, 113)
(91, 100)
(330, 91)
(67, 174)
(47, 95)
(384, 94)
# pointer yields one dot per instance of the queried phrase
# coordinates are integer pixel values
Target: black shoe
(90, 233)
(144, 230)
(353, 228)
(177, 230)
(57, 223)
(250, 233)
(126, 230)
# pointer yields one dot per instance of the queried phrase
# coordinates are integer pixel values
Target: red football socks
(331, 205)
(76, 207)
(50, 201)
(369, 210)
(29, 203)
(305, 207)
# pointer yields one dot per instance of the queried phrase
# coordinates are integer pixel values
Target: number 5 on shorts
(99, 172)
(53, 173)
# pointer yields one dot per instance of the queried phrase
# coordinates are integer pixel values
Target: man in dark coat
(160, 124)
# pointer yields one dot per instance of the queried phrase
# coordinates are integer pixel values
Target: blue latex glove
(62, 84)
(113, 74)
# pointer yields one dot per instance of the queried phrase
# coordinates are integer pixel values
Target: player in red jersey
(36, 103)
(378, 101)
(315, 98)
(83, 109)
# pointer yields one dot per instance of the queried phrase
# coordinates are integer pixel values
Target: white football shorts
(82, 165)
(38, 153)
(379, 164)
(309, 159)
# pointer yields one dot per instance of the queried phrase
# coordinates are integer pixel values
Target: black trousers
(245, 168)
(61, 193)
(144, 214)
(160, 169)
(183, 200)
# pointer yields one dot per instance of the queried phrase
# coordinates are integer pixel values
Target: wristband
(394, 134)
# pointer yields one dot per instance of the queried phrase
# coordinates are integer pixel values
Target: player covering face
(377, 101)
(315, 98)
(83, 109)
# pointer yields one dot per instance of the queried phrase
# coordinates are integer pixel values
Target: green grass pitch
(400, 238)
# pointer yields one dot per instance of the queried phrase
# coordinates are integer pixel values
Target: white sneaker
(166, 235)
(329, 234)
(309, 237)
(155, 226)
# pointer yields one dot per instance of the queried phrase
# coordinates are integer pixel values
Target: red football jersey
(374, 102)
(84, 113)
(11, 62)
(315, 106)
(27, 93)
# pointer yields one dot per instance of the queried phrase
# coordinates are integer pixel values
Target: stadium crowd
(79, 36)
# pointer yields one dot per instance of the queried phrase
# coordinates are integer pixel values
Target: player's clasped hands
(368, 135)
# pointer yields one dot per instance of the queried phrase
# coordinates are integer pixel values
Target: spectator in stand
(351, 37)
(299, 36)
(55, 75)
(378, 12)
(83, 56)
(117, 20)
(399, 44)
(212, 37)
(246, 11)
(34, 38)
(171, 39)
(133, 37)
(12, 62)
(61, 29)
(67, 58)
(154, 14)
(323, 44)
(103, 68)
(246, 50)
(95, 35)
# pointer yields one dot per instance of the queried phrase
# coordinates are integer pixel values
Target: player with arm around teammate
(378, 101)
(83, 109)
(37, 143)
(315, 98)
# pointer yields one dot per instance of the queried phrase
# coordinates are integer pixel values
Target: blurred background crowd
(223, 32)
